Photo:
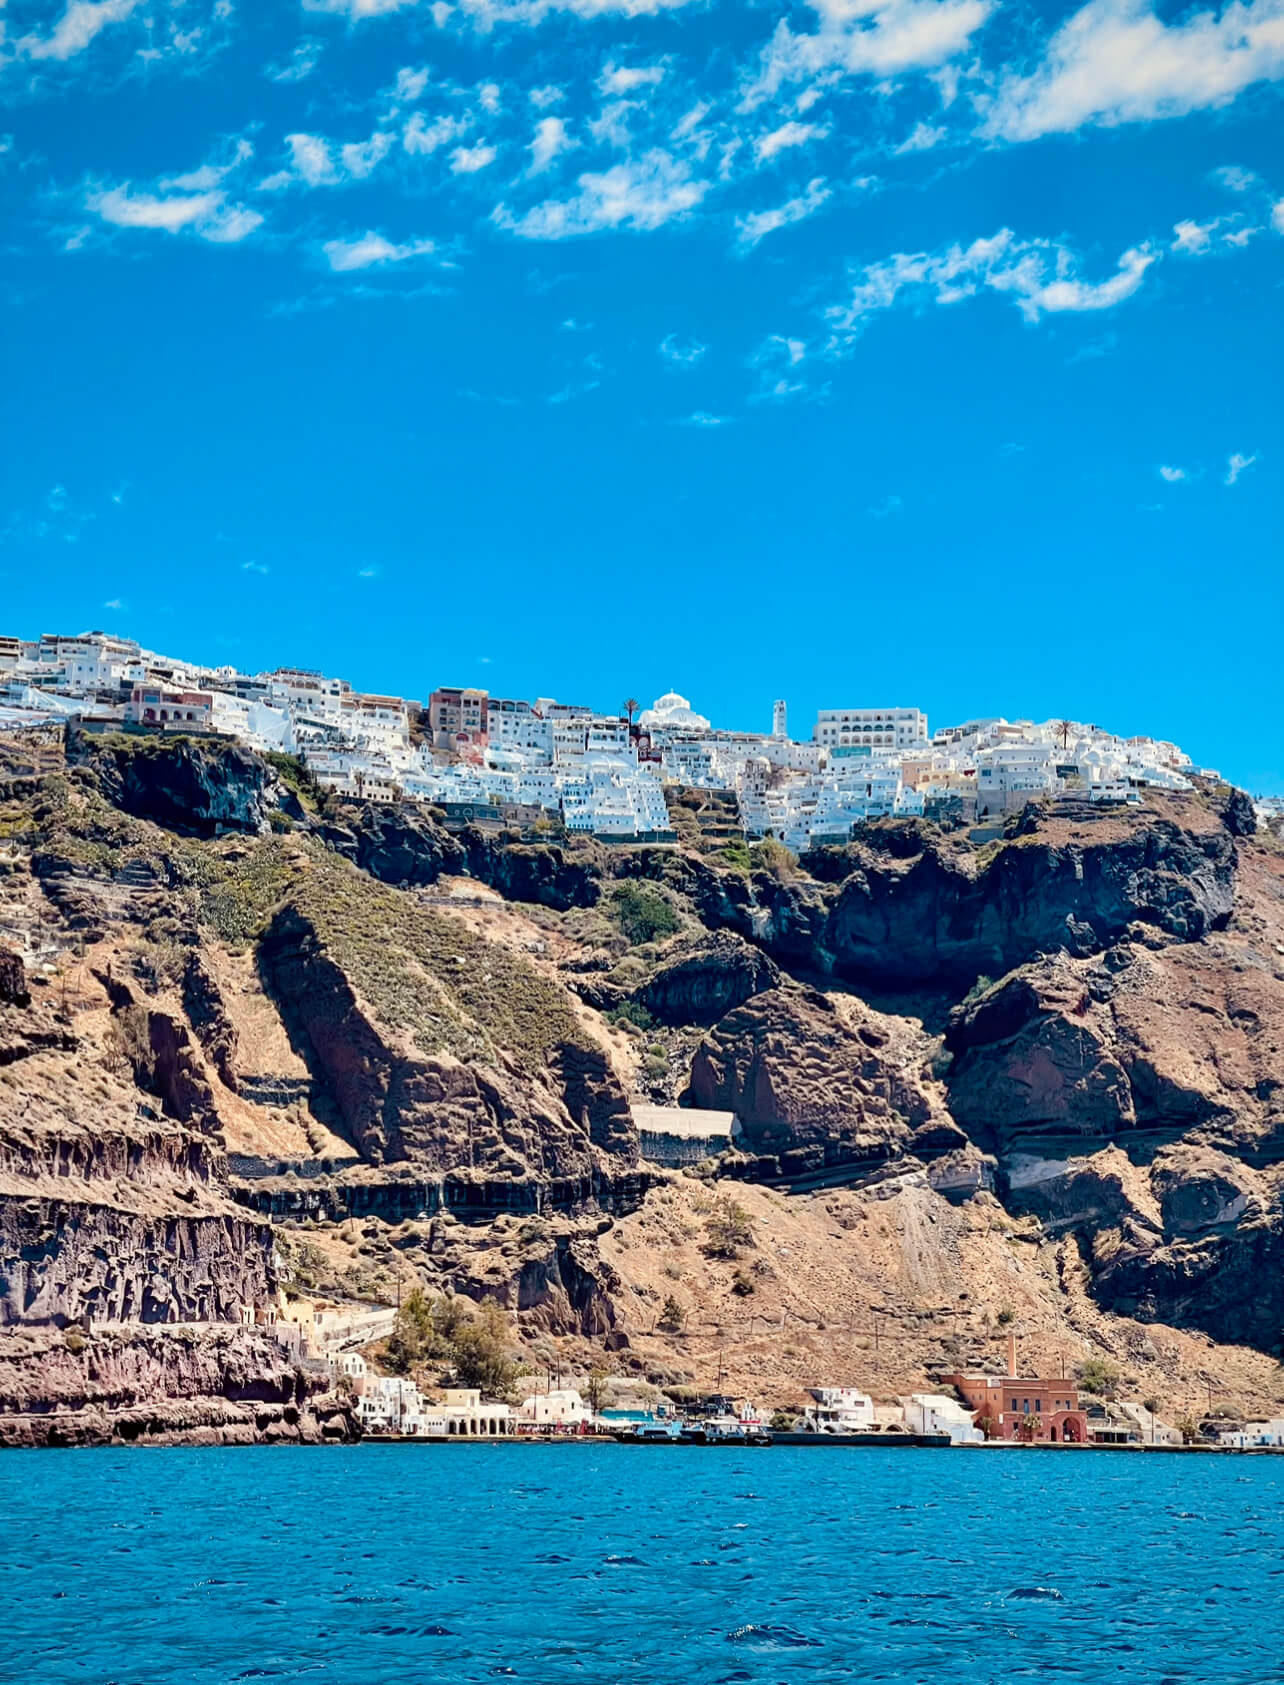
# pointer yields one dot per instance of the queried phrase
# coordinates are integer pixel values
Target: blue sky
(853, 351)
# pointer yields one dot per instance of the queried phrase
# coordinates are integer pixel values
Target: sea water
(660, 1565)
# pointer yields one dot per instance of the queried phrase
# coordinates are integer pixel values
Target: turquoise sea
(417, 1565)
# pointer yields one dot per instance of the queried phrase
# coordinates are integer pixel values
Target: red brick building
(1042, 1410)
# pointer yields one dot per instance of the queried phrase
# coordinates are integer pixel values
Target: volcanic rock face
(463, 1102)
(192, 786)
(712, 978)
(402, 846)
(366, 1056)
(812, 1086)
(941, 918)
(229, 1386)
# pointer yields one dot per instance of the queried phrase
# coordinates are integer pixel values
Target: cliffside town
(544, 765)
(290, 1026)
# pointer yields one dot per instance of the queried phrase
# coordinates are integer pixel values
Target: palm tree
(1065, 727)
(631, 706)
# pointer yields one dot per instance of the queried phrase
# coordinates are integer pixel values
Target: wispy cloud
(1117, 61)
(1173, 475)
(550, 141)
(467, 160)
(1040, 276)
(867, 38)
(208, 215)
(1236, 466)
(685, 353)
(371, 250)
(300, 64)
(758, 224)
(76, 28)
(642, 194)
(787, 136)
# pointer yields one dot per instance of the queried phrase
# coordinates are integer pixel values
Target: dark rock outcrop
(201, 787)
(941, 918)
(703, 982)
(13, 980)
(487, 1115)
(809, 1087)
(181, 1386)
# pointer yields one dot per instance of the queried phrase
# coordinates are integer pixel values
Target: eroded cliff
(240, 1012)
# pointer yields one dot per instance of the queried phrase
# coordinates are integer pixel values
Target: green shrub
(729, 1230)
(642, 913)
(630, 1013)
(1098, 1377)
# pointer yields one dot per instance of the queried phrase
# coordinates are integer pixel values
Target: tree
(481, 1352)
(782, 1421)
(1098, 1377)
(1030, 1428)
(729, 1230)
(1065, 727)
(1151, 1404)
(1188, 1428)
(642, 913)
(597, 1389)
(672, 1316)
(631, 706)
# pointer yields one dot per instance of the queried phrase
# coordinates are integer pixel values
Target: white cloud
(369, 251)
(1115, 61)
(421, 136)
(685, 353)
(542, 98)
(206, 214)
(1277, 216)
(1235, 178)
(208, 175)
(467, 160)
(778, 361)
(550, 142)
(361, 158)
(487, 14)
(703, 418)
(758, 224)
(922, 138)
(1040, 276)
(1173, 475)
(1193, 237)
(311, 160)
(642, 193)
(1236, 465)
(623, 79)
(356, 10)
(787, 135)
(410, 85)
(868, 37)
(300, 65)
(75, 29)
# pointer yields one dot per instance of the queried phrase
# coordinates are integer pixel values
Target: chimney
(1012, 1368)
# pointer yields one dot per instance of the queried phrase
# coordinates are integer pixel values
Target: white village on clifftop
(546, 765)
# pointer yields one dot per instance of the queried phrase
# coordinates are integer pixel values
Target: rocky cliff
(233, 1009)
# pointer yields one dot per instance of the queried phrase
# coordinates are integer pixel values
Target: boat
(933, 1440)
(724, 1433)
(649, 1433)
